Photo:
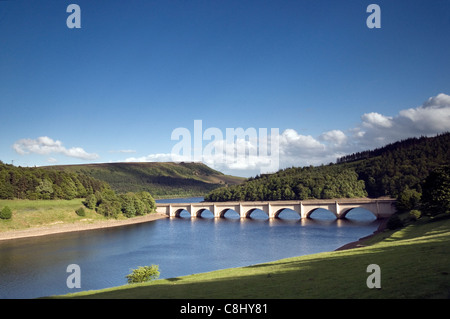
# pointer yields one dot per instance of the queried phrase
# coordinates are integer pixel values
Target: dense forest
(387, 171)
(402, 165)
(295, 183)
(39, 183)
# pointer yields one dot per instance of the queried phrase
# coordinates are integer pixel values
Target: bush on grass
(415, 214)
(143, 274)
(81, 212)
(6, 213)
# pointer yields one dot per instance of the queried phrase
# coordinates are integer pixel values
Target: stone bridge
(381, 207)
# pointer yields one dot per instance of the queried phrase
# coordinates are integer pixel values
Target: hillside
(332, 181)
(386, 171)
(157, 178)
(405, 164)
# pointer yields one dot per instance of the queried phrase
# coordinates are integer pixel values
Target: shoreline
(359, 243)
(77, 227)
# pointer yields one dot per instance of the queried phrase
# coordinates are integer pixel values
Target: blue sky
(115, 89)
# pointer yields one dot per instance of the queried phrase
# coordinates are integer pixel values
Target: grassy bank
(36, 213)
(414, 262)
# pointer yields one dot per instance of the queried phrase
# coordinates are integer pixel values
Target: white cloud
(220, 155)
(296, 148)
(52, 160)
(430, 118)
(336, 137)
(123, 151)
(374, 130)
(439, 101)
(376, 120)
(292, 143)
(163, 157)
(44, 145)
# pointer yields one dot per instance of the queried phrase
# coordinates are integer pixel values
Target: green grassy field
(35, 213)
(414, 263)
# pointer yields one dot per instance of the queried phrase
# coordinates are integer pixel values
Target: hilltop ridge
(161, 179)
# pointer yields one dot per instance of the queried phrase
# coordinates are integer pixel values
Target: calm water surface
(36, 267)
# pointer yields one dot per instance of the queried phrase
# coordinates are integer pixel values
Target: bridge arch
(250, 211)
(226, 210)
(288, 210)
(365, 211)
(321, 211)
(200, 213)
(180, 211)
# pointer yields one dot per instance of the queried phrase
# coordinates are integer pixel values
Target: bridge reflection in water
(380, 207)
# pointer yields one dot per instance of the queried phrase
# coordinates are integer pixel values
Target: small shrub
(143, 274)
(394, 222)
(6, 213)
(90, 201)
(415, 214)
(80, 212)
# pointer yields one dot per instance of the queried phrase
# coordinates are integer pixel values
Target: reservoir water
(37, 266)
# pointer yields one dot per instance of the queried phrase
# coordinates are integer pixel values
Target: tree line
(110, 204)
(38, 183)
(322, 182)
(406, 143)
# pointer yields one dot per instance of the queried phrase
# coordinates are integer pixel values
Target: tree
(288, 193)
(147, 199)
(45, 189)
(408, 200)
(302, 192)
(128, 207)
(69, 190)
(139, 206)
(6, 189)
(436, 192)
(109, 208)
